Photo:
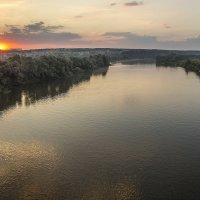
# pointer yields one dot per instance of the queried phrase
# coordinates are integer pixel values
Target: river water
(129, 133)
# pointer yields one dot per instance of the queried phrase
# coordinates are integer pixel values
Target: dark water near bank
(130, 133)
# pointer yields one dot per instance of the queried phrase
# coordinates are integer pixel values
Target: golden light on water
(4, 47)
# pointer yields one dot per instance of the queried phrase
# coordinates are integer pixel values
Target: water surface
(132, 132)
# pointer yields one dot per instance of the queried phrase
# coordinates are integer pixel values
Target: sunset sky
(166, 24)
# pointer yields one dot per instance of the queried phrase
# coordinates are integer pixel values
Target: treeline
(20, 70)
(189, 63)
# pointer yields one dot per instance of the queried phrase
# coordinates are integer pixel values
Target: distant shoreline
(189, 63)
(113, 53)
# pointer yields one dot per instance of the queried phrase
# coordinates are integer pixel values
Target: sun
(4, 47)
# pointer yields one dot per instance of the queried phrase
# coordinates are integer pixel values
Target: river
(129, 133)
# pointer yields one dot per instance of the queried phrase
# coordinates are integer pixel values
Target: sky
(146, 24)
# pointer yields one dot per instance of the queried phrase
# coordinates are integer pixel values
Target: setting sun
(4, 47)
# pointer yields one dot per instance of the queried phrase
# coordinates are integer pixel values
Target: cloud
(78, 16)
(36, 33)
(133, 3)
(40, 27)
(132, 40)
(41, 35)
(167, 26)
(113, 4)
(13, 29)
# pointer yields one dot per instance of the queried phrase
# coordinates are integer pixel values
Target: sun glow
(4, 47)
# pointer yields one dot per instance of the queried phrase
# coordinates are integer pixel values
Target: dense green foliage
(19, 70)
(189, 63)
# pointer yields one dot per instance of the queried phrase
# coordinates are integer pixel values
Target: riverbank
(33, 93)
(189, 63)
(20, 70)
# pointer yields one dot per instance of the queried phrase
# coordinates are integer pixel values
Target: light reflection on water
(129, 133)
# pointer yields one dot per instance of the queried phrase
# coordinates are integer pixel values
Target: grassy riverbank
(20, 70)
